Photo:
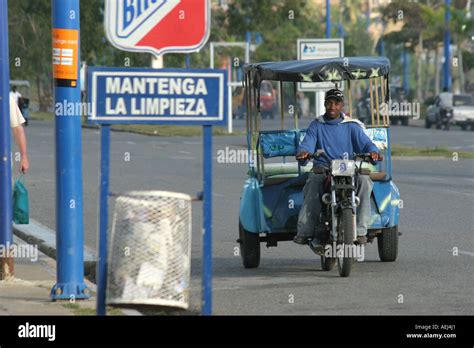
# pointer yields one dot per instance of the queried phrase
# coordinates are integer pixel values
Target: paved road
(438, 215)
(414, 135)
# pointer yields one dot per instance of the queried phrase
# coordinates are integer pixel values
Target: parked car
(463, 111)
(238, 106)
(268, 104)
(459, 111)
(268, 101)
(398, 96)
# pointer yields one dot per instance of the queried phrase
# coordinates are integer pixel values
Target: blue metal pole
(447, 44)
(69, 225)
(207, 222)
(6, 217)
(328, 19)
(104, 215)
(340, 30)
(188, 61)
(206, 294)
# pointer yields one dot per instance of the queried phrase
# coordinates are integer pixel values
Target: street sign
(158, 26)
(318, 49)
(166, 96)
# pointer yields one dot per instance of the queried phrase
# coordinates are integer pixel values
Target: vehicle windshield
(463, 100)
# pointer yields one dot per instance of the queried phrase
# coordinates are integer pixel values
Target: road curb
(44, 238)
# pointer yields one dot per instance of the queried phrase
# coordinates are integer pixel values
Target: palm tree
(461, 27)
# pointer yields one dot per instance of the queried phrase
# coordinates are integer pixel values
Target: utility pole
(6, 213)
(69, 224)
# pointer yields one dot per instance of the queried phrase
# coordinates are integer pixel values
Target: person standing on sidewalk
(16, 124)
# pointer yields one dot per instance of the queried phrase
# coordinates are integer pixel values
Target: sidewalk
(28, 292)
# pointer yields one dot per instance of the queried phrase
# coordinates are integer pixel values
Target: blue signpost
(406, 68)
(6, 238)
(328, 19)
(447, 46)
(103, 217)
(207, 219)
(164, 96)
(69, 224)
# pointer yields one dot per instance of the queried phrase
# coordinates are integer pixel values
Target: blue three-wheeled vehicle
(272, 195)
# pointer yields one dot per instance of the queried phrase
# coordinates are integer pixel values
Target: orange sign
(65, 54)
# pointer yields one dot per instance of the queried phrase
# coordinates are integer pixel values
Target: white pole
(319, 103)
(212, 55)
(157, 62)
(247, 52)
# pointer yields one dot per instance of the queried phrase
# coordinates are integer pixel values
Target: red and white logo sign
(158, 26)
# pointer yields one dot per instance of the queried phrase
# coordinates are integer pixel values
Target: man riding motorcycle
(339, 137)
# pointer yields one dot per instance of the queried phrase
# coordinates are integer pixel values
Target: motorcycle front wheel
(345, 257)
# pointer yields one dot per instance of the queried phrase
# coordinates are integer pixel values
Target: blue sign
(164, 96)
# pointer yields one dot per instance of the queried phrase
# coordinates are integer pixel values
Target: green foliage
(280, 23)
(414, 22)
(468, 60)
(358, 42)
(95, 48)
(29, 29)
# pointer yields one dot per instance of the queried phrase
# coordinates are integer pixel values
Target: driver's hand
(375, 156)
(303, 156)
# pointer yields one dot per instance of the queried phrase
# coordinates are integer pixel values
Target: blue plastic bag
(20, 202)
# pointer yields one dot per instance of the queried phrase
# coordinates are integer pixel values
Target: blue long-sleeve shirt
(336, 138)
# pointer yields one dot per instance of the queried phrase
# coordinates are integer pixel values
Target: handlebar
(366, 157)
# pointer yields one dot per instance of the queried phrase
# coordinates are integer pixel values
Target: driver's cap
(334, 93)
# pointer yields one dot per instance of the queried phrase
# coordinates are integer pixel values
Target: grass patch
(42, 116)
(158, 130)
(409, 151)
(78, 310)
(172, 131)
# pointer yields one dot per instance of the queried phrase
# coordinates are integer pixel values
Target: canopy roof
(319, 70)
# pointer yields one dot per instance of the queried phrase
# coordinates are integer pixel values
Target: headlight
(342, 167)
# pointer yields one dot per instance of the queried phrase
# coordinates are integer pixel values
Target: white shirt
(16, 118)
(446, 99)
(16, 95)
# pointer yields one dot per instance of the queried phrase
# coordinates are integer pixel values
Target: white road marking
(460, 147)
(185, 152)
(438, 189)
(181, 158)
(465, 252)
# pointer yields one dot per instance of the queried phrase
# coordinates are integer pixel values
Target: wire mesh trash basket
(150, 250)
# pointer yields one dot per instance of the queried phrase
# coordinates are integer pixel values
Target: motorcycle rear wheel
(346, 223)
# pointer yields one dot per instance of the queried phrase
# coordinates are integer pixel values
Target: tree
(461, 27)
(29, 27)
(415, 20)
